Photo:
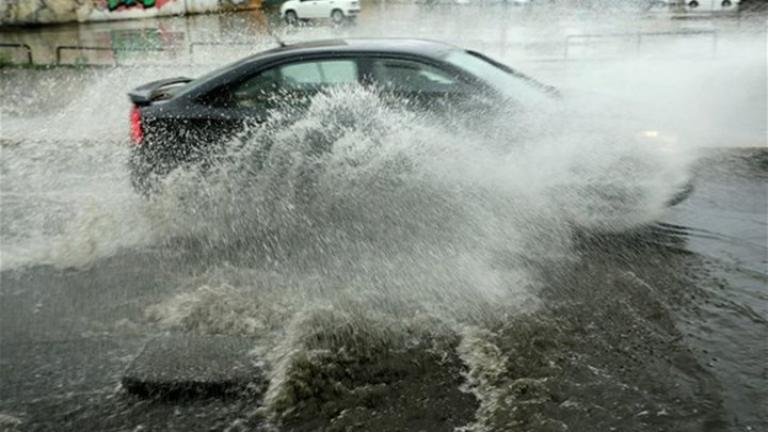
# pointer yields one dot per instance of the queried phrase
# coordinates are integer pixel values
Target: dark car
(182, 121)
(177, 121)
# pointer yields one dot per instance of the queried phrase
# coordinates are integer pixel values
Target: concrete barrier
(33, 12)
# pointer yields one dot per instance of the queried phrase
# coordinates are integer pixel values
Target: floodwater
(515, 272)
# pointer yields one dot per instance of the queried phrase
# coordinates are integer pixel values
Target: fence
(115, 60)
(638, 37)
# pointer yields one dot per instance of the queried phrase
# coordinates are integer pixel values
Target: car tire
(693, 4)
(337, 16)
(726, 3)
(291, 18)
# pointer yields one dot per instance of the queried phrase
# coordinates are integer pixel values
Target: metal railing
(23, 46)
(194, 44)
(566, 46)
(639, 36)
(115, 60)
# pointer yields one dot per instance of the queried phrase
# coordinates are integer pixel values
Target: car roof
(398, 46)
(420, 47)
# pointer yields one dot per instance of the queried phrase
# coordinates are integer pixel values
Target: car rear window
(300, 79)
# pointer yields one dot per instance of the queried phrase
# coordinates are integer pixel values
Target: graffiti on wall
(113, 5)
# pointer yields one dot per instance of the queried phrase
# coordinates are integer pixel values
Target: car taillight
(137, 133)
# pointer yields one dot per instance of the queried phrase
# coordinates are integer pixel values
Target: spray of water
(66, 199)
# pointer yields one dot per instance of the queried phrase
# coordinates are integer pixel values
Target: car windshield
(510, 83)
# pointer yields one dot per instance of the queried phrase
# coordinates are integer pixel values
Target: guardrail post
(24, 46)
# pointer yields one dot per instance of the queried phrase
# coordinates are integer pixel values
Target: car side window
(297, 79)
(413, 77)
(257, 90)
(339, 72)
(321, 73)
(301, 75)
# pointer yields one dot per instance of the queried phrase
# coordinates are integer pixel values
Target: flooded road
(661, 329)
(438, 278)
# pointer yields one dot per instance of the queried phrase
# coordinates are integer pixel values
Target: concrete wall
(22, 12)
(191, 39)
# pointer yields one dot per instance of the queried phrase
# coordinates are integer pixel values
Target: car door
(286, 89)
(282, 87)
(228, 109)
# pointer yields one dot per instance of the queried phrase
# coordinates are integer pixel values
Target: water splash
(402, 230)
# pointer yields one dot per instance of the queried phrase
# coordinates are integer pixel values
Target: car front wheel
(291, 18)
(337, 16)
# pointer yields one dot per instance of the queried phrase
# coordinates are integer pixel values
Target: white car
(337, 11)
